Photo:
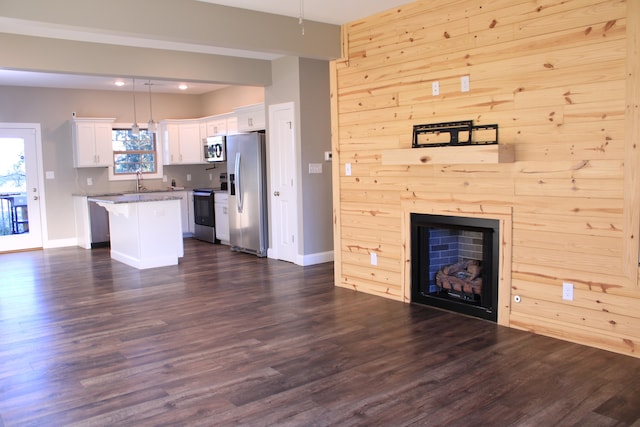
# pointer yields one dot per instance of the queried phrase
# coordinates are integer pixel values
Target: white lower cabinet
(221, 210)
(185, 207)
(184, 210)
(83, 220)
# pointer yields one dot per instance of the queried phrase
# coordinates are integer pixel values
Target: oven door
(203, 208)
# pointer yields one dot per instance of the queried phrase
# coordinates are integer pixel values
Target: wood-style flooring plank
(227, 338)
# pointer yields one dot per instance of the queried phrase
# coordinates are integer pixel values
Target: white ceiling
(328, 11)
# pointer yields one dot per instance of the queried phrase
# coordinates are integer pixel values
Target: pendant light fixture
(151, 126)
(301, 16)
(135, 129)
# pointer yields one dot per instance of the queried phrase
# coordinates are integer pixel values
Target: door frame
(35, 127)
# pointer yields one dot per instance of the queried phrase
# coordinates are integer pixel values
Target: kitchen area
(297, 75)
(205, 167)
(181, 117)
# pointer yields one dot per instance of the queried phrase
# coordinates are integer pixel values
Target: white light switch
(188, 177)
(347, 169)
(50, 175)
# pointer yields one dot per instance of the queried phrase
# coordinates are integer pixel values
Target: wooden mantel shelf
(467, 154)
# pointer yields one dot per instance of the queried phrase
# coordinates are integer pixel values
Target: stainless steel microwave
(215, 149)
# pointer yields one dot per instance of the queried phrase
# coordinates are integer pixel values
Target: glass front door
(20, 226)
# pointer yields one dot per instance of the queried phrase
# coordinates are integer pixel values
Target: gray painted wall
(305, 82)
(315, 126)
(225, 100)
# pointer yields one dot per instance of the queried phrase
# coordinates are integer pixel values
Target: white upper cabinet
(232, 125)
(223, 124)
(181, 142)
(92, 142)
(251, 118)
(217, 127)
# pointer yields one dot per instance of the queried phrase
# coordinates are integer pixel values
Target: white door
(20, 210)
(282, 156)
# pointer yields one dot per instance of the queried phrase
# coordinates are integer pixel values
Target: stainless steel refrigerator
(246, 169)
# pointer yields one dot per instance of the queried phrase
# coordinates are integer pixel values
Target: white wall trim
(59, 243)
(316, 258)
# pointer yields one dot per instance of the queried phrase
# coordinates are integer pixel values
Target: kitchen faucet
(139, 186)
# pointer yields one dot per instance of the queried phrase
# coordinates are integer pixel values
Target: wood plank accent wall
(561, 79)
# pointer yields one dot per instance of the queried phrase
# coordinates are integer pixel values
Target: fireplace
(454, 263)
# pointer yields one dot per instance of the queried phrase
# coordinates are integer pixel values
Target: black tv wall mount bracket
(454, 134)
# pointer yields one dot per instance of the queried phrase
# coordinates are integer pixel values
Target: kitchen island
(146, 229)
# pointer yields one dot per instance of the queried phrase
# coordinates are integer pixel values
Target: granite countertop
(134, 198)
(128, 193)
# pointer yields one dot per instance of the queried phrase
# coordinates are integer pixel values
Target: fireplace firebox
(454, 263)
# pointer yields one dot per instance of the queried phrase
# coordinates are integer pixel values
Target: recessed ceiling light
(183, 86)
(119, 83)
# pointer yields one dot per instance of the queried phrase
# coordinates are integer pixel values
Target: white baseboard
(59, 243)
(317, 258)
(311, 259)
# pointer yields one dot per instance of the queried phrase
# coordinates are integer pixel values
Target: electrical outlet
(89, 181)
(347, 169)
(210, 177)
(188, 177)
(464, 84)
(435, 88)
(567, 291)
(374, 258)
(50, 175)
(164, 178)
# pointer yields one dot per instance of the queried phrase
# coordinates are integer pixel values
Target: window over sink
(128, 154)
(133, 154)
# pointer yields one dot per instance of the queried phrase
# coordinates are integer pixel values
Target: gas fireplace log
(463, 277)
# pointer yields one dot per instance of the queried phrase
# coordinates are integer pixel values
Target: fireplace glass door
(454, 263)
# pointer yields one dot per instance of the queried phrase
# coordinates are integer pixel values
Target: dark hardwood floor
(230, 339)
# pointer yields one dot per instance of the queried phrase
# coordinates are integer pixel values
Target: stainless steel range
(204, 215)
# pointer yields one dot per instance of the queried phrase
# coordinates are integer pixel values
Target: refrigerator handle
(239, 192)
